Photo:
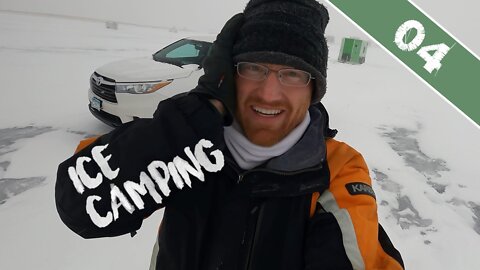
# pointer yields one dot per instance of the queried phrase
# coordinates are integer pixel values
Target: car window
(183, 52)
(187, 50)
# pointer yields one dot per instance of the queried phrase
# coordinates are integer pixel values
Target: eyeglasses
(286, 76)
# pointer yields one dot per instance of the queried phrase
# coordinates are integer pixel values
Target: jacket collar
(308, 152)
(301, 170)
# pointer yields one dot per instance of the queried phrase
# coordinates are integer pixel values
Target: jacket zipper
(241, 175)
(251, 248)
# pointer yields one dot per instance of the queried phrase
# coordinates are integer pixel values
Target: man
(271, 190)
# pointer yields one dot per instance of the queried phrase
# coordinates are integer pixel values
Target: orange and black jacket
(311, 208)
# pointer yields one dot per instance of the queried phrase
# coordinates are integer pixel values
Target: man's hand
(218, 81)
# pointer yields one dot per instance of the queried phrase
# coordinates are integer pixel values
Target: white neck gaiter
(249, 155)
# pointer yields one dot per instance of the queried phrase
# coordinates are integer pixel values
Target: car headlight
(140, 88)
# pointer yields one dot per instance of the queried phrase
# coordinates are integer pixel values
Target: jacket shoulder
(343, 158)
(337, 148)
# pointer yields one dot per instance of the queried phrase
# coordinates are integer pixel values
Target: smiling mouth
(266, 112)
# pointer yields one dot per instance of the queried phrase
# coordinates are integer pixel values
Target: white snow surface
(422, 154)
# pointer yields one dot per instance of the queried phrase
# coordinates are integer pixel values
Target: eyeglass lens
(288, 76)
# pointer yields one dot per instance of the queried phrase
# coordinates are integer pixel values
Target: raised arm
(111, 185)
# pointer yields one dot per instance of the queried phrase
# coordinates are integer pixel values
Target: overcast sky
(458, 17)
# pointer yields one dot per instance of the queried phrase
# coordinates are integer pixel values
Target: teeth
(266, 111)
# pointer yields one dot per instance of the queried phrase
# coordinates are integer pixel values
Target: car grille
(103, 87)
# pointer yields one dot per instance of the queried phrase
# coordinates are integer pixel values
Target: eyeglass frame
(268, 70)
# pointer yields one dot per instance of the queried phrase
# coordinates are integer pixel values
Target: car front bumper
(107, 118)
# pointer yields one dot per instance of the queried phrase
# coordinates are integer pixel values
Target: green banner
(423, 46)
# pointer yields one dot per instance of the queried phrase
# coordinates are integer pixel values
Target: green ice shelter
(353, 51)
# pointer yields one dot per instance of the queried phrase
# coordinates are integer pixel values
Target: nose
(271, 88)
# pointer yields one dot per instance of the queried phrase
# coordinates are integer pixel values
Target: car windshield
(183, 52)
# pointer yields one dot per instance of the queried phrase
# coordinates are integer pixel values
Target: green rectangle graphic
(423, 46)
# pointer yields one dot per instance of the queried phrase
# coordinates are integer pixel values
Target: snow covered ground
(422, 154)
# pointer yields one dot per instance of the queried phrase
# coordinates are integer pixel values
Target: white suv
(124, 90)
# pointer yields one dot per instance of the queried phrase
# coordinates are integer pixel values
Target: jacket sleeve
(344, 232)
(110, 185)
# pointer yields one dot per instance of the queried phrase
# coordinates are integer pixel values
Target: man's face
(267, 111)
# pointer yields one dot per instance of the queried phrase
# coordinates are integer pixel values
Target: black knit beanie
(286, 32)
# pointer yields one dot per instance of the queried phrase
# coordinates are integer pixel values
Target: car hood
(143, 69)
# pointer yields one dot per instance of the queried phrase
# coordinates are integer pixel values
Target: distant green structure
(353, 51)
